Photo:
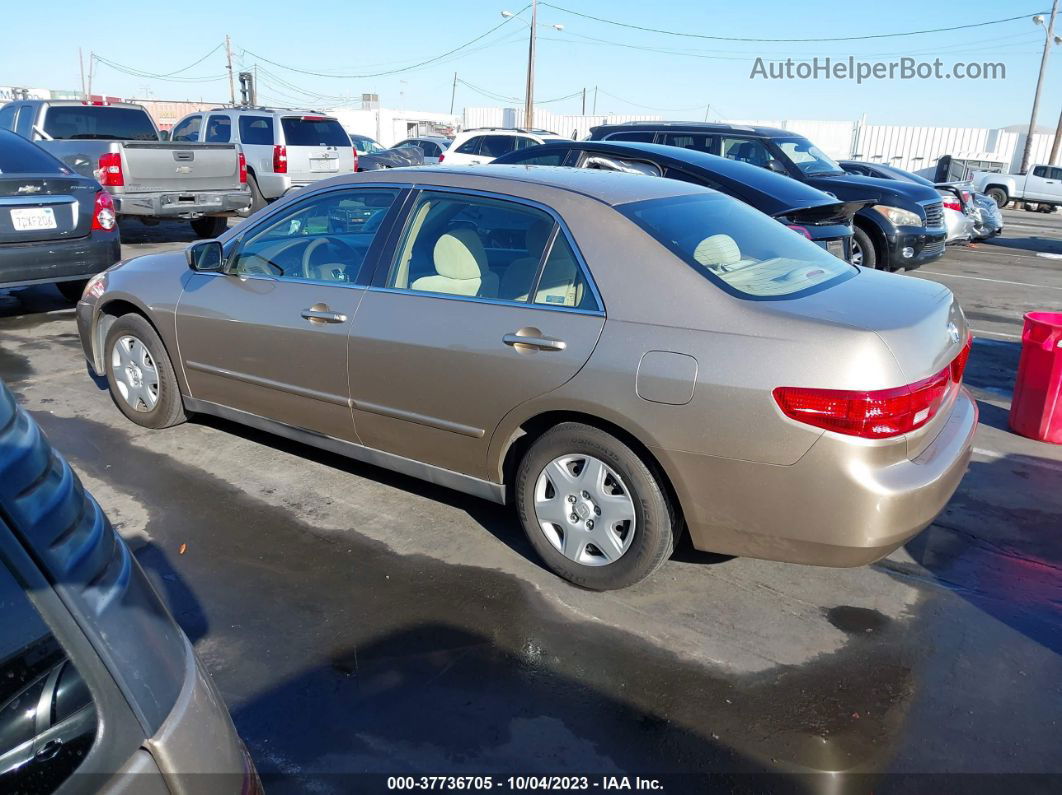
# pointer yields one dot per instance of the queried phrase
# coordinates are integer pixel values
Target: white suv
(285, 149)
(483, 144)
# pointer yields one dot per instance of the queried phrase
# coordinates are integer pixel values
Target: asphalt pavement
(358, 621)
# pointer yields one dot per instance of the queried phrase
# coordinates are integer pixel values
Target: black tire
(998, 195)
(169, 407)
(71, 291)
(258, 201)
(209, 226)
(656, 526)
(861, 242)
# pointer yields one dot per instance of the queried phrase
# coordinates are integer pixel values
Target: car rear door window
(554, 157)
(324, 239)
(471, 246)
(497, 145)
(187, 130)
(471, 146)
(219, 130)
(562, 282)
(24, 124)
(48, 720)
(7, 117)
(641, 136)
(696, 141)
(256, 130)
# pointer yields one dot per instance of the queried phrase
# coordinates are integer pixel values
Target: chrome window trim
(481, 300)
(419, 188)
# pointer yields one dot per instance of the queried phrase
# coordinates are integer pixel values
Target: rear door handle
(539, 343)
(319, 313)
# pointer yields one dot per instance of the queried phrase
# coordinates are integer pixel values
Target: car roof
(695, 126)
(608, 187)
(777, 190)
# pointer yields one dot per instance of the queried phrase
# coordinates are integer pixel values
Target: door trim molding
(419, 419)
(269, 383)
(484, 489)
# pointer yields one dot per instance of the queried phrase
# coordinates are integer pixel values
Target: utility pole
(1048, 43)
(453, 94)
(595, 100)
(706, 109)
(81, 66)
(584, 100)
(529, 92)
(92, 64)
(232, 82)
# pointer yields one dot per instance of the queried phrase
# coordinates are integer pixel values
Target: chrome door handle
(540, 343)
(323, 316)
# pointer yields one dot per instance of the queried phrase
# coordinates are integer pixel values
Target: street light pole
(529, 91)
(1048, 42)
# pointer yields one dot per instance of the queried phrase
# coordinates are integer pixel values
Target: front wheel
(597, 515)
(863, 252)
(140, 376)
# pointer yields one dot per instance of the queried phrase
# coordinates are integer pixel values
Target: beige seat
(516, 280)
(460, 267)
(718, 252)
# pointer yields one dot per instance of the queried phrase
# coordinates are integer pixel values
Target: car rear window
(19, 156)
(256, 130)
(313, 131)
(92, 122)
(738, 248)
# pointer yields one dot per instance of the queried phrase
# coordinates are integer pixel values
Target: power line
(651, 107)
(144, 73)
(434, 59)
(830, 38)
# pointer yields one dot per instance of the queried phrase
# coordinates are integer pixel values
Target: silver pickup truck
(118, 144)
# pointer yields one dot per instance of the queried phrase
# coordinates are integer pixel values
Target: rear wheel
(209, 226)
(258, 201)
(140, 375)
(71, 291)
(998, 195)
(593, 510)
(863, 252)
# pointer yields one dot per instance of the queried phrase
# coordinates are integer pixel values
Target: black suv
(903, 229)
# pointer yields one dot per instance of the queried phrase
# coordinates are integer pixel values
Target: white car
(483, 144)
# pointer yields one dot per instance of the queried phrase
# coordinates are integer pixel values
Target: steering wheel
(307, 253)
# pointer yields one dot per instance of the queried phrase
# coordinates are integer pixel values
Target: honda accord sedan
(623, 358)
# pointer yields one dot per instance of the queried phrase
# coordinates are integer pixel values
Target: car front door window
(187, 130)
(325, 239)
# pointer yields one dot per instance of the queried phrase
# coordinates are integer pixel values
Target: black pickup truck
(902, 230)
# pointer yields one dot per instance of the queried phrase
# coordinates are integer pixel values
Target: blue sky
(635, 71)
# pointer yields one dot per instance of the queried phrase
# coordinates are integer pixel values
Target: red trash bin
(1036, 410)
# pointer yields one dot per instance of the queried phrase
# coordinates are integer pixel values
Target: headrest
(536, 236)
(717, 250)
(459, 254)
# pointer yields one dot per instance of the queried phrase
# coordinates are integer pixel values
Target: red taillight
(103, 216)
(800, 230)
(877, 414)
(280, 159)
(315, 118)
(110, 173)
(442, 157)
(953, 204)
(243, 169)
(355, 159)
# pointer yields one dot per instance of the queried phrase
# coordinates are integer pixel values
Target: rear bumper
(193, 204)
(58, 261)
(841, 504)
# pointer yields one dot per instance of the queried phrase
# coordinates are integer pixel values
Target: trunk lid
(42, 207)
(317, 147)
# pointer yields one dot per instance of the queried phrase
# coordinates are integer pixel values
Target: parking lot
(360, 621)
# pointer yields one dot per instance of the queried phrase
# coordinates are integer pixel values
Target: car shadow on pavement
(176, 594)
(21, 302)
(1035, 243)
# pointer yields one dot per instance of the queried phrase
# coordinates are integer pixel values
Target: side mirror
(777, 168)
(205, 256)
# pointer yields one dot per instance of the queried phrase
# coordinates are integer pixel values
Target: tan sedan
(623, 357)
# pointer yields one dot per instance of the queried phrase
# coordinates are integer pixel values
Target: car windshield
(811, 160)
(99, 122)
(907, 176)
(366, 145)
(313, 131)
(738, 248)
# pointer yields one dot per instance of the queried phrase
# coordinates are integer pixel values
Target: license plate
(835, 247)
(33, 218)
(324, 164)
